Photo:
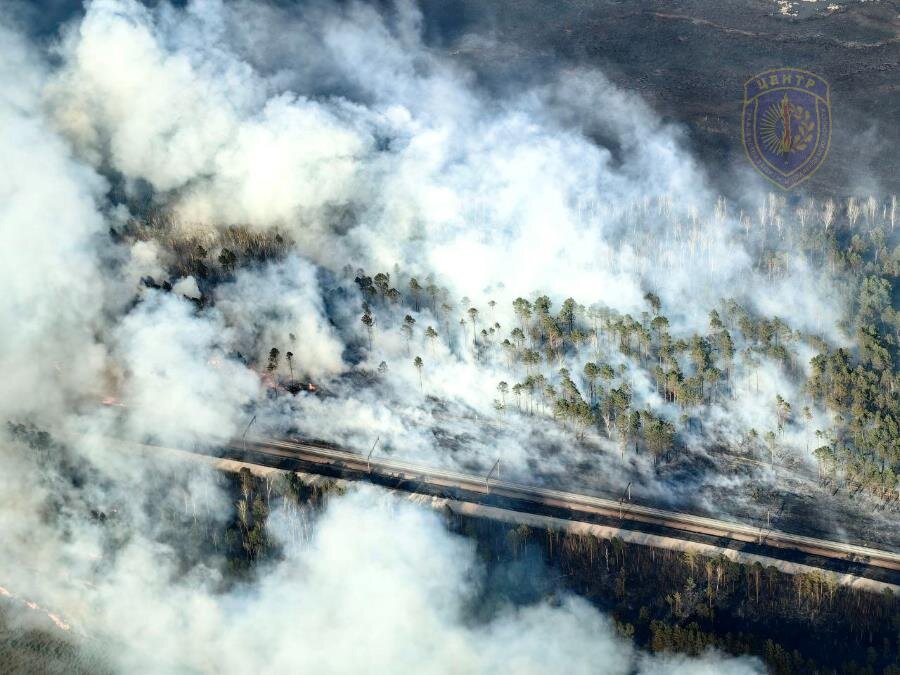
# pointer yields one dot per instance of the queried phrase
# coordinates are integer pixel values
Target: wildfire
(62, 625)
(59, 622)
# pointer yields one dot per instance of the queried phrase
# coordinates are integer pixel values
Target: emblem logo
(786, 125)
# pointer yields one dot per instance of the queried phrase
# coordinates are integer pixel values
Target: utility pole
(768, 524)
(369, 457)
(244, 435)
(625, 494)
(496, 466)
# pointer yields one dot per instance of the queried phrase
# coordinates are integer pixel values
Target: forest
(641, 380)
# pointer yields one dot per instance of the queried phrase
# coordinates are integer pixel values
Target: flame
(62, 625)
(59, 622)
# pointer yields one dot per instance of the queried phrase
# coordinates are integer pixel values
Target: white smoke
(338, 126)
(178, 375)
(281, 300)
(341, 128)
(53, 291)
(379, 585)
(385, 153)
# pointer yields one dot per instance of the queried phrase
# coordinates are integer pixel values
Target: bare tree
(828, 209)
(853, 211)
(893, 211)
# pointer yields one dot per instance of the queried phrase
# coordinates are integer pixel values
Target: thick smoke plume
(372, 149)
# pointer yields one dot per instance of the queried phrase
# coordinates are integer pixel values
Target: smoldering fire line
(57, 621)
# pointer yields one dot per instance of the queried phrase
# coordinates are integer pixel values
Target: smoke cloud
(335, 131)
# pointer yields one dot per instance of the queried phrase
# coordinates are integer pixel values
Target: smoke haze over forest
(197, 201)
